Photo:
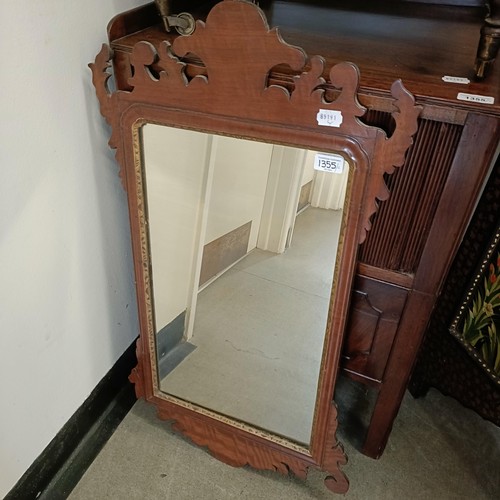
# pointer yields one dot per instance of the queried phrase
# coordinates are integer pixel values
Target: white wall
(175, 162)
(67, 301)
(238, 187)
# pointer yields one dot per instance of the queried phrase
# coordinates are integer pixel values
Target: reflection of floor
(259, 332)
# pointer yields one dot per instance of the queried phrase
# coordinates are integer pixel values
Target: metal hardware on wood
(183, 23)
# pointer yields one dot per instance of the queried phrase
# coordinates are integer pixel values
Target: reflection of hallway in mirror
(259, 333)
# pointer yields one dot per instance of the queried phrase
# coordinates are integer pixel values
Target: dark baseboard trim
(57, 470)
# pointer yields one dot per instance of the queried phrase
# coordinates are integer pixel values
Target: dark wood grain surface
(417, 43)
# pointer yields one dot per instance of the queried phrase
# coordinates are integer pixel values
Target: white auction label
(482, 99)
(456, 79)
(329, 163)
(329, 118)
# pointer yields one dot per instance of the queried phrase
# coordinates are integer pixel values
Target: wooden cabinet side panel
(474, 157)
(376, 308)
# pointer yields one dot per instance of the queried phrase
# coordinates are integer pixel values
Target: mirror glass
(243, 242)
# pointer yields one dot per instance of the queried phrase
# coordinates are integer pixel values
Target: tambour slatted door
(403, 221)
(395, 244)
(404, 260)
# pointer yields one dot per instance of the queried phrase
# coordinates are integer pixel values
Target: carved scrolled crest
(100, 77)
(171, 69)
(244, 47)
(239, 51)
(309, 84)
(108, 102)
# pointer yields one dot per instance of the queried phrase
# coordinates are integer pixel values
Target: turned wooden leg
(398, 372)
(489, 42)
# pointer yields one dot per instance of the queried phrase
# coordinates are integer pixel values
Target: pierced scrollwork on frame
(232, 95)
(241, 90)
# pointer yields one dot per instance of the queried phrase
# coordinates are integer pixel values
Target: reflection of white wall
(176, 168)
(238, 187)
(308, 172)
(175, 164)
(328, 188)
(282, 196)
(67, 299)
(200, 188)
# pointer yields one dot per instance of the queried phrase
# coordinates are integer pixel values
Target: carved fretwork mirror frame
(233, 97)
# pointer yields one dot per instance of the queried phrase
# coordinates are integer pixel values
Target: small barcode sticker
(482, 99)
(329, 163)
(329, 118)
(456, 79)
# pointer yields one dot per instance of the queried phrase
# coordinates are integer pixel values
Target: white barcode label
(456, 79)
(482, 99)
(329, 163)
(329, 118)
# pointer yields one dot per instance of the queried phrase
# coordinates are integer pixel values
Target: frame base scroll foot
(339, 484)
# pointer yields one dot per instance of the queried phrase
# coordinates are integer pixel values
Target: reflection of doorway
(223, 223)
(252, 202)
(259, 330)
(220, 197)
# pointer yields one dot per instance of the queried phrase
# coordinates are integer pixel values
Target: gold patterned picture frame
(477, 325)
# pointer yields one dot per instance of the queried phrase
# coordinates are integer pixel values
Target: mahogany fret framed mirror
(247, 201)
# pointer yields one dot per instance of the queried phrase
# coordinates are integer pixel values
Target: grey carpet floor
(437, 450)
(259, 331)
